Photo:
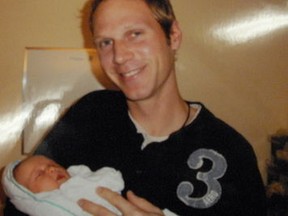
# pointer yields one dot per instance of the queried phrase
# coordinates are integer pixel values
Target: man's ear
(175, 36)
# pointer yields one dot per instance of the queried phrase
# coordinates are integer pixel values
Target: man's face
(40, 174)
(133, 49)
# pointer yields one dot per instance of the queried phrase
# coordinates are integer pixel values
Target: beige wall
(244, 84)
(30, 23)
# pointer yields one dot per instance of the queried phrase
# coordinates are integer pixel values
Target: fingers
(143, 204)
(94, 209)
(133, 206)
(117, 200)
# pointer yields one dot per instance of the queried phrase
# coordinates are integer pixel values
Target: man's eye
(104, 43)
(136, 34)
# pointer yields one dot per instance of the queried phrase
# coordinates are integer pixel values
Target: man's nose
(122, 52)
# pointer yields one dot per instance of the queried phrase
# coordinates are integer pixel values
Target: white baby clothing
(63, 201)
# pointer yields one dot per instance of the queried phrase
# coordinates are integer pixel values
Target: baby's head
(40, 174)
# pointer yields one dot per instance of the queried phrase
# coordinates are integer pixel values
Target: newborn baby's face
(40, 174)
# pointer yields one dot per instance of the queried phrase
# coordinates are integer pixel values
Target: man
(172, 153)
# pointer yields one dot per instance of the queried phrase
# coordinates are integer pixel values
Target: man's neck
(160, 117)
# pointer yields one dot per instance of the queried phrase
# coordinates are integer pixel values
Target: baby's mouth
(60, 177)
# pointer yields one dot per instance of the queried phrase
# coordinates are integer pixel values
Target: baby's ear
(175, 36)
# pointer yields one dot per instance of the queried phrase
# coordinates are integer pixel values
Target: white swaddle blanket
(82, 184)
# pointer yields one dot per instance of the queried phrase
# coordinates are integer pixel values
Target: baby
(39, 186)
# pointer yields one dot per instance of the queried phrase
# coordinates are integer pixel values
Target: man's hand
(134, 205)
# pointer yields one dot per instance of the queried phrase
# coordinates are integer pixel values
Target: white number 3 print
(214, 189)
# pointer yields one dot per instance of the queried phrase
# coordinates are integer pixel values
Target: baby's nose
(51, 169)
